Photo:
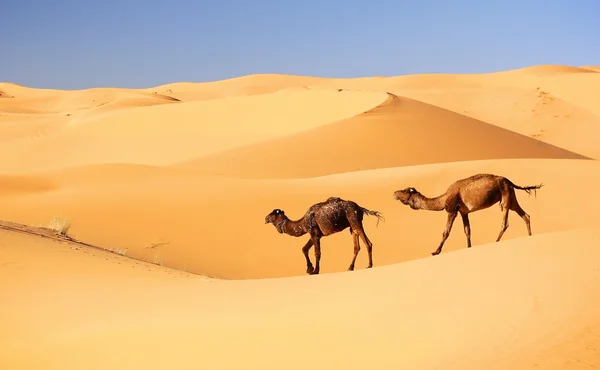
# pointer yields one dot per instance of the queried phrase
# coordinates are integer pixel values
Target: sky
(64, 44)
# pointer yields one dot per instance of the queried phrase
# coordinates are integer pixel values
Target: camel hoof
(314, 273)
(310, 270)
(371, 266)
(351, 268)
(435, 253)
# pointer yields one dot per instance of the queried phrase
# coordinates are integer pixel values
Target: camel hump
(334, 199)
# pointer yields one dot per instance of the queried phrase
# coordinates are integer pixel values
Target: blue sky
(130, 43)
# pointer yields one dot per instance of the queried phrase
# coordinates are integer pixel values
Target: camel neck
(420, 201)
(293, 228)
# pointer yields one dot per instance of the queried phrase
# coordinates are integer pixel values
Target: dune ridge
(187, 129)
(168, 262)
(407, 130)
(592, 68)
(551, 69)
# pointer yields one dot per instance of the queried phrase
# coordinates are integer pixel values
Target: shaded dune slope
(592, 68)
(399, 132)
(25, 184)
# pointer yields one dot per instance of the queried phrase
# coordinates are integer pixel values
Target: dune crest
(184, 130)
(538, 112)
(592, 68)
(399, 132)
(255, 84)
(550, 69)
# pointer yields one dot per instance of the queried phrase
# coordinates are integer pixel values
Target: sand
(168, 264)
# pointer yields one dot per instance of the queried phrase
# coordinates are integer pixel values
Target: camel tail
(527, 189)
(373, 213)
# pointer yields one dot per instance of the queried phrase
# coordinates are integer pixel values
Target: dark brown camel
(322, 219)
(470, 195)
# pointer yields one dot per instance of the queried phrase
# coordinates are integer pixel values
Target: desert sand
(167, 262)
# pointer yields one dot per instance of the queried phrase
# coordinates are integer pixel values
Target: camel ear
(411, 190)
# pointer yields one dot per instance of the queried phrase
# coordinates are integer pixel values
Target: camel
(323, 219)
(469, 195)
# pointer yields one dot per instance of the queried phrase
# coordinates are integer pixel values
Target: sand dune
(400, 132)
(20, 184)
(51, 101)
(533, 112)
(522, 319)
(174, 182)
(168, 133)
(592, 68)
(553, 69)
(10, 88)
(238, 86)
(214, 226)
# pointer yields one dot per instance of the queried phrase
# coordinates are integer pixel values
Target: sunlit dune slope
(26, 128)
(248, 85)
(30, 259)
(215, 226)
(399, 132)
(167, 133)
(27, 119)
(533, 112)
(574, 86)
(10, 88)
(28, 100)
(98, 97)
(552, 69)
(518, 304)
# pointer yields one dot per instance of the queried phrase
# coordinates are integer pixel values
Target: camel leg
(368, 243)
(356, 250)
(504, 226)
(317, 244)
(451, 218)
(305, 249)
(467, 225)
(517, 208)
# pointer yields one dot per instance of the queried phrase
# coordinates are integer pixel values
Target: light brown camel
(469, 195)
(322, 219)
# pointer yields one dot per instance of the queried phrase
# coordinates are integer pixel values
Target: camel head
(275, 216)
(405, 195)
